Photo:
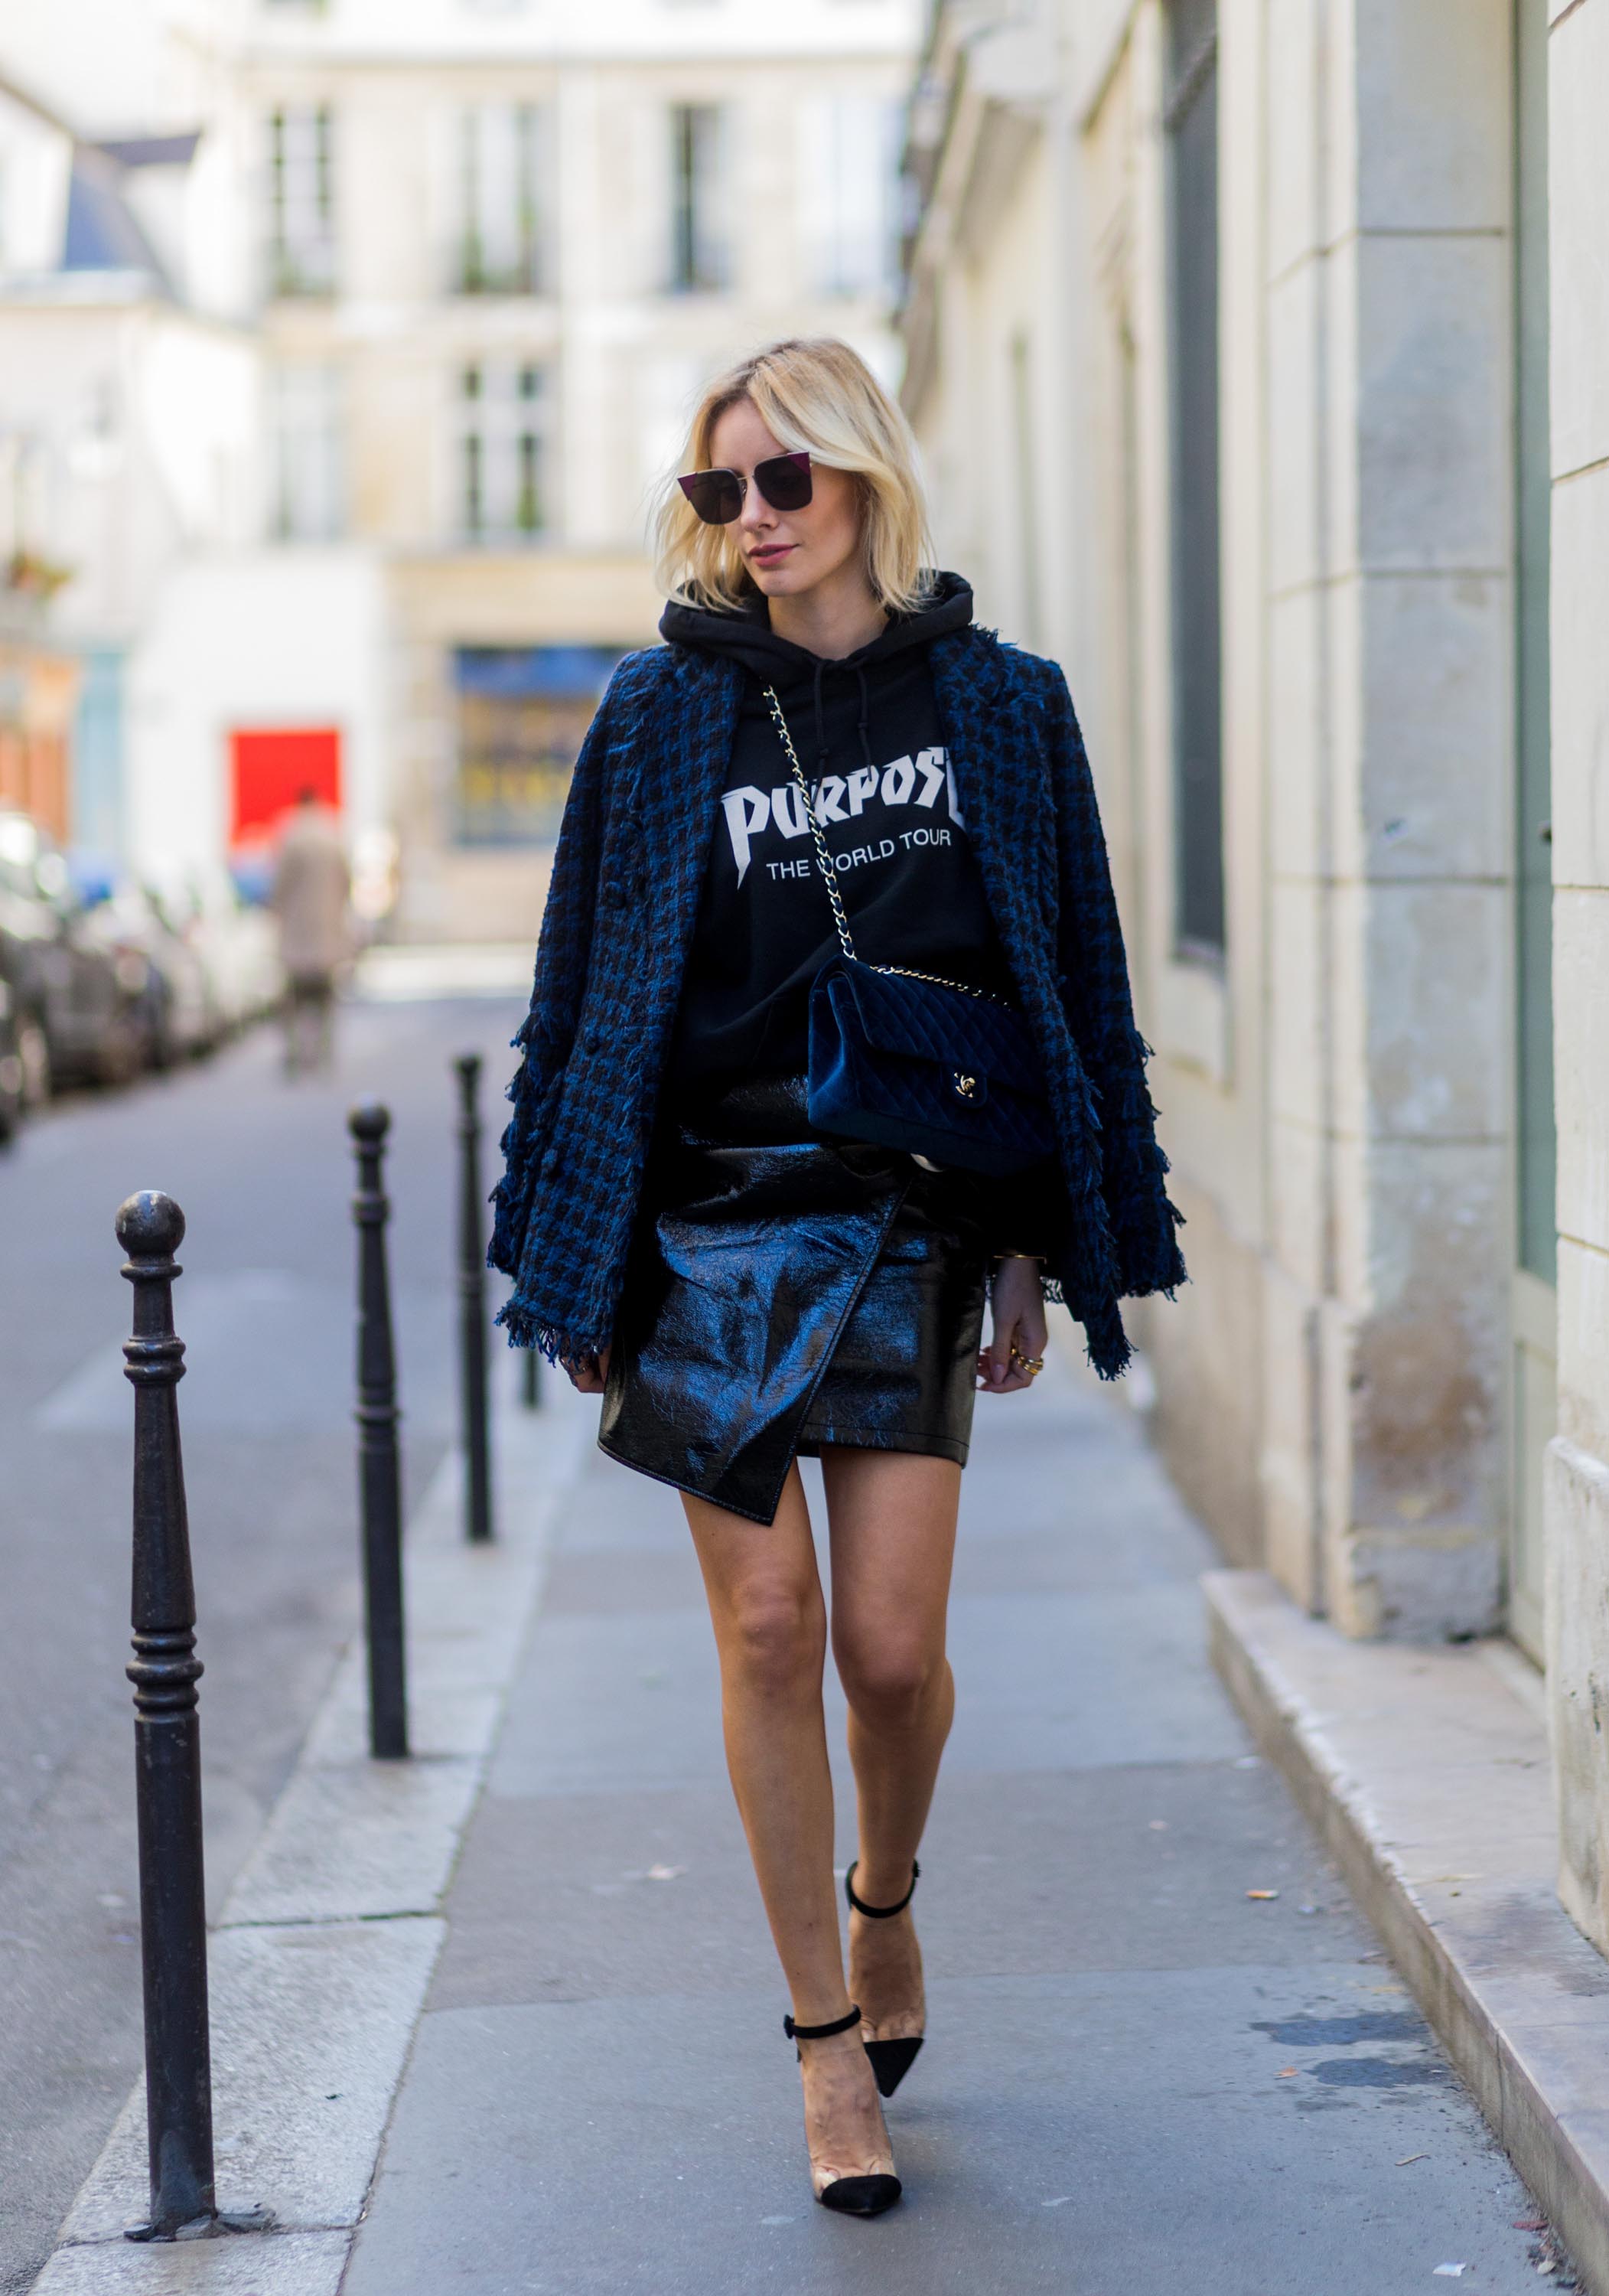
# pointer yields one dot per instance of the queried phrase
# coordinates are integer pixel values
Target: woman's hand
(1016, 1319)
(588, 1377)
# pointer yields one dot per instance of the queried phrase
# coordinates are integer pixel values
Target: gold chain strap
(829, 876)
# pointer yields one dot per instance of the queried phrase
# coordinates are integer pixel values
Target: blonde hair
(814, 395)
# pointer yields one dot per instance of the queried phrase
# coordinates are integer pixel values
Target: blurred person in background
(745, 1284)
(312, 900)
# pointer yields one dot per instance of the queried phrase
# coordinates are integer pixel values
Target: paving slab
(355, 1841)
(304, 2264)
(1048, 1682)
(558, 1896)
(1140, 2076)
(309, 2030)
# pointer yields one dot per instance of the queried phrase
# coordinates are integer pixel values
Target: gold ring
(1032, 1364)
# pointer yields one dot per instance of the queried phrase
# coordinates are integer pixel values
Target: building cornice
(13, 92)
(984, 99)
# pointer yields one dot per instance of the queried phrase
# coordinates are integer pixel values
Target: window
(307, 501)
(301, 248)
(523, 712)
(849, 157)
(501, 153)
(700, 259)
(1191, 120)
(503, 451)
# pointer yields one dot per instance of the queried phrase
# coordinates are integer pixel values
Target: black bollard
(472, 1303)
(530, 1393)
(168, 1750)
(379, 1473)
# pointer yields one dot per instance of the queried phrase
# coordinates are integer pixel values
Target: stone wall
(1332, 1391)
(1390, 764)
(1578, 1478)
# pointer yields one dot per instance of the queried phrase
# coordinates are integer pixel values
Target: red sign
(269, 769)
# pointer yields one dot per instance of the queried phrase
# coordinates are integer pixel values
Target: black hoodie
(868, 740)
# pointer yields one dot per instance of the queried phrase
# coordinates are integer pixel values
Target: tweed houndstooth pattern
(620, 916)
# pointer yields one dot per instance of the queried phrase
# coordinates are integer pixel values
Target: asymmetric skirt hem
(625, 1458)
(925, 1446)
(868, 1439)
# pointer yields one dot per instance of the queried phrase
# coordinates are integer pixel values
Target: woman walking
(831, 1041)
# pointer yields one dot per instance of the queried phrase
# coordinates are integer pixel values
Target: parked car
(12, 1094)
(179, 1014)
(237, 943)
(257, 976)
(80, 1007)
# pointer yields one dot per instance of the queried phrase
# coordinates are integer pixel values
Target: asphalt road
(262, 1170)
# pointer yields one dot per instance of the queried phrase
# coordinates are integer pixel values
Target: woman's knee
(889, 1680)
(775, 1638)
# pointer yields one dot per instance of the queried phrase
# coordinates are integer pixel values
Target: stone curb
(1426, 1771)
(321, 1961)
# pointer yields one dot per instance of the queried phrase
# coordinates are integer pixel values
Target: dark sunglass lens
(784, 480)
(715, 495)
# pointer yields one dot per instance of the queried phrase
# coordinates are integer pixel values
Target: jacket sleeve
(1094, 978)
(563, 955)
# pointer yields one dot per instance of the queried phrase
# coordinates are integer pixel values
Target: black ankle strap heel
(850, 2196)
(891, 2060)
(796, 2033)
(880, 1912)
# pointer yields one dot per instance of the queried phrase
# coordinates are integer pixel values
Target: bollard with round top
(472, 1303)
(379, 1468)
(167, 1756)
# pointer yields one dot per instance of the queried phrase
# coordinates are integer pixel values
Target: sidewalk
(1139, 2078)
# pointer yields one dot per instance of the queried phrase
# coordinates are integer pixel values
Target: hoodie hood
(799, 676)
(747, 635)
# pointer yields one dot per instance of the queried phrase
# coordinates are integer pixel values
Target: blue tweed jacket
(620, 917)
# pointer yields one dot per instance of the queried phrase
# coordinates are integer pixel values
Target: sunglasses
(717, 495)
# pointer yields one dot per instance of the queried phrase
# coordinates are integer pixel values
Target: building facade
(1258, 356)
(1575, 1521)
(128, 443)
(487, 256)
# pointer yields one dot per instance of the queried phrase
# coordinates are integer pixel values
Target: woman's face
(786, 552)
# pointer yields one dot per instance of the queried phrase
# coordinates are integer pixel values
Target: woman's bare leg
(892, 1518)
(770, 1631)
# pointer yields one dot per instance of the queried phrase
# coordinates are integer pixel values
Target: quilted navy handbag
(909, 1061)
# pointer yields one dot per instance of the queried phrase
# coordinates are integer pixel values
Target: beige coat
(311, 886)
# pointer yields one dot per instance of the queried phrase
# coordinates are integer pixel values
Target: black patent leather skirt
(787, 1292)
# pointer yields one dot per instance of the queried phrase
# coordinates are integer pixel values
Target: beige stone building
(1248, 394)
(1575, 1520)
(500, 250)
(1236, 303)
(475, 258)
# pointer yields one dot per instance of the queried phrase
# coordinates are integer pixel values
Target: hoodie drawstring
(863, 724)
(821, 722)
(865, 715)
